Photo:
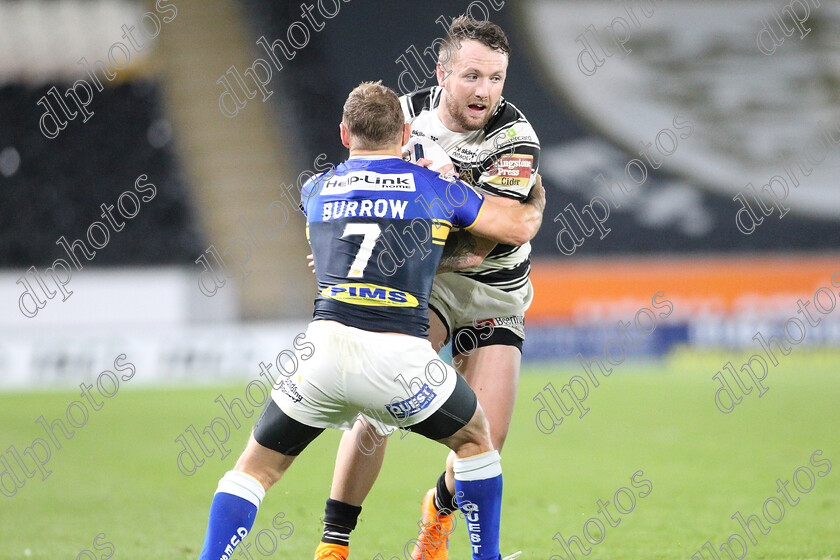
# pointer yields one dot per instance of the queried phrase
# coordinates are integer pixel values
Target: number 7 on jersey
(371, 233)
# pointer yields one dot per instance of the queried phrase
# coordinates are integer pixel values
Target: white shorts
(462, 302)
(353, 371)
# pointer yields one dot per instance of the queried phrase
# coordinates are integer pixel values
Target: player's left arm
(511, 225)
(465, 250)
(461, 251)
(510, 175)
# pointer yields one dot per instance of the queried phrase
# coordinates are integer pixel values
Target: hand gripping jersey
(500, 159)
(377, 227)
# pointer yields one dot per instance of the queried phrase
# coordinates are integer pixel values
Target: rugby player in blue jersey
(482, 289)
(368, 326)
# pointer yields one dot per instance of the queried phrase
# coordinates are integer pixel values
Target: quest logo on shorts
(412, 405)
(369, 294)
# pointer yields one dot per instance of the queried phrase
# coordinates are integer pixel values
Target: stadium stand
(59, 185)
(308, 78)
(54, 187)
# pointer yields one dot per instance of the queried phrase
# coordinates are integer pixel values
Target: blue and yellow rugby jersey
(377, 227)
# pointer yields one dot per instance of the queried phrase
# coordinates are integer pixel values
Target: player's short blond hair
(373, 116)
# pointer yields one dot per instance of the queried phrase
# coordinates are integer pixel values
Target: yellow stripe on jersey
(480, 210)
(440, 231)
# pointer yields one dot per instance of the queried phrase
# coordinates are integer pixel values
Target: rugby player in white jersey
(369, 324)
(482, 290)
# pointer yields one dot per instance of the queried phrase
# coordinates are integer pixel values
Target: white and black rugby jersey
(500, 159)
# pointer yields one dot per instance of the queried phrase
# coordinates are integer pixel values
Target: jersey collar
(373, 157)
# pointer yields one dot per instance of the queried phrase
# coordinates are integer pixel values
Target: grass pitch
(115, 489)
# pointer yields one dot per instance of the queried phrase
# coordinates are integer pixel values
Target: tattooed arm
(464, 250)
(502, 220)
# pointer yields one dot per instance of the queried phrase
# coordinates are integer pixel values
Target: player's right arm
(511, 224)
(462, 251)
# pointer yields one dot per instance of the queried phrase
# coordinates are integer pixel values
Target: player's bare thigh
(437, 332)
(492, 372)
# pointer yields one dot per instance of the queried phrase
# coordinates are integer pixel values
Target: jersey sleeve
(304, 199)
(404, 103)
(311, 188)
(466, 213)
(511, 169)
(414, 103)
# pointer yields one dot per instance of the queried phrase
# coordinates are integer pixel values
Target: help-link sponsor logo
(369, 295)
(367, 181)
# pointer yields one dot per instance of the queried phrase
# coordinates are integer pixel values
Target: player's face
(474, 86)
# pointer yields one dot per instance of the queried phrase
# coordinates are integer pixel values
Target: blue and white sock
(232, 514)
(478, 485)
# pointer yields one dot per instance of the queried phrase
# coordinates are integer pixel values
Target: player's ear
(441, 72)
(345, 135)
(406, 134)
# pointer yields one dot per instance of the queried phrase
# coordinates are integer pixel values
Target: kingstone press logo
(512, 170)
(510, 165)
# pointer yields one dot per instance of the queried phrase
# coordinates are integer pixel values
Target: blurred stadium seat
(60, 184)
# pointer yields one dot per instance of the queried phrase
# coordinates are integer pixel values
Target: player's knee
(478, 432)
(497, 439)
(266, 475)
(499, 426)
(267, 467)
(265, 479)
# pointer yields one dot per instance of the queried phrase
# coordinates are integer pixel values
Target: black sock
(444, 501)
(339, 519)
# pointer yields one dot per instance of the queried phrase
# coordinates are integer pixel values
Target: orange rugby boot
(327, 551)
(433, 542)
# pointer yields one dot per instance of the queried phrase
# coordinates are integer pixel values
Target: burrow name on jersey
(364, 209)
(369, 295)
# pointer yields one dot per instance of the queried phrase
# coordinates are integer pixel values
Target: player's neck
(396, 152)
(447, 121)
